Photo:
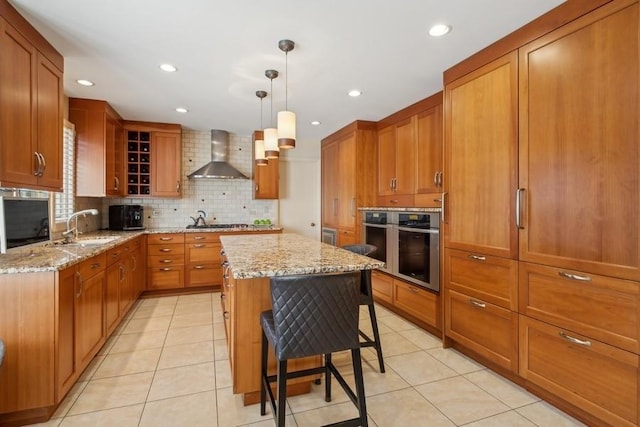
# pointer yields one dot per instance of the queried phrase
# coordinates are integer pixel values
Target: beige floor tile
(383, 312)
(112, 392)
(223, 374)
(419, 368)
(506, 419)
(69, 399)
(221, 350)
(219, 331)
(160, 323)
(315, 399)
(138, 341)
(394, 344)
(170, 300)
(289, 421)
(145, 312)
(90, 370)
(328, 415)
(502, 389)
(422, 339)
(195, 298)
(218, 317)
(108, 345)
(376, 383)
(365, 326)
(188, 335)
(127, 416)
(120, 328)
(186, 354)
(194, 410)
(405, 408)
(193, 308)
(543, 414)
(396, 323)
(195, 319)
(233, 412)
(460, 400)
(128, 363)
(455, 360)
(181, 381)
(54, 422)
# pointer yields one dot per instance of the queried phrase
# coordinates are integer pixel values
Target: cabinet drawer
(93, 265)
(601, 307)
(165, 277)
(417, 302)
(601, 379)
(489, 278)
(202, 237)
(382, 286)
(116, 254)
(153, 239)
(404, 200)
(203, 275)
(485, 328)
(167, 260)
(428, 200)
(165, 249)
(203, 253)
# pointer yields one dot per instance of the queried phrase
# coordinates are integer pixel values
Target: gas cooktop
(192, 226)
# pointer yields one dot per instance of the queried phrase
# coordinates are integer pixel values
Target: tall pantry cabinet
(542, 224)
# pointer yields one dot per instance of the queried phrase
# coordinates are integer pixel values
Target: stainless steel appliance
(408, 242)
(126, 217)
(329, 236)
(24, 217)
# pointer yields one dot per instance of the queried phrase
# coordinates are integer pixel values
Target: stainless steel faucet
(202, 215)
(74, 231)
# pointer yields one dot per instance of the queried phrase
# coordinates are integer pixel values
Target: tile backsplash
(224, 200)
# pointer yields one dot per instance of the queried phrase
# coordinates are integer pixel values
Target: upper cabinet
(100, 150)
(31, 106)
(410, 155)
(266, 178)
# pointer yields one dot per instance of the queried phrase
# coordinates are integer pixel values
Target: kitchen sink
(85, 241)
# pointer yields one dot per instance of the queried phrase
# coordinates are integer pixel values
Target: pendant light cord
(271, 114)
(286, 81)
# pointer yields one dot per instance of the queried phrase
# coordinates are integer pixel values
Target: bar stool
(312, 315)
(366, 298)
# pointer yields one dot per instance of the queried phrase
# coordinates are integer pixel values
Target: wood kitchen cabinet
(100, 148)
(202, 260)
(266, 178)
(31, 107)
(165, 262)
(429, 157)
(396, 163)
(348, 179)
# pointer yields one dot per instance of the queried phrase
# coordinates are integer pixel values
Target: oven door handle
(366, 224)
(420, 230)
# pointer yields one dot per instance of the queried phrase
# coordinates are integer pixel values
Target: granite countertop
(386, 208)
(53, 257)
(285, 254)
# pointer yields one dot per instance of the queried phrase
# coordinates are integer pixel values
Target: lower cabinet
(165, 263)
(202, 260)
(419, 303)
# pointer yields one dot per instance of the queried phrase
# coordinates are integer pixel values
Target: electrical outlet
(156, 213)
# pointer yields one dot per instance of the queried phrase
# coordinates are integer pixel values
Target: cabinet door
(49, 123)
(405, 156)
(481, 159)
(89, 322)
(114, 141)
(266, 180)
(386, 160)
(579, 151)
(65, 358)
(114, 279)
(166, 158)
(330, 184)
(17, 108)
(347, 183)
(429, 155)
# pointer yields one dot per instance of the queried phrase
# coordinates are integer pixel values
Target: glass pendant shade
(271, 149)
(261, 159)
(286, 130)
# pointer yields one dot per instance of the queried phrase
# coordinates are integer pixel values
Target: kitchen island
(249, 263)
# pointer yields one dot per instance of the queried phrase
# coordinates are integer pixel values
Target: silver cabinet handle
(165, 250)
(440, 175)
(78, 282)
(38, 165)
(166, 238)
(115, 255)
(199, 238)
(166, 269)
(198, 267)
(222, 252)
(177, 185)
(121, 273)
(394, 201)
(116, 183)
(519, 192)
(257, 188)
(44, 164)
(574, 340)
(95, 265)
(478, 257)
(199, 245)
(435, 178)
(166, 261)
(442, 206)
(225, 315)
(414, 290)
(477, 303)
(574, 276)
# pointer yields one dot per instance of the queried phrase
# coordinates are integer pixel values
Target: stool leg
(376, 335)
(358, 377)
(327, 377)
(263, 375)
(281, 409)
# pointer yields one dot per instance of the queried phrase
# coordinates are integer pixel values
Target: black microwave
(24, 217)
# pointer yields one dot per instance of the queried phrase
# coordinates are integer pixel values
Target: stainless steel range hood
(218, 168)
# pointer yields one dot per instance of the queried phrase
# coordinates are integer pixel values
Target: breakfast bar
(249, 262)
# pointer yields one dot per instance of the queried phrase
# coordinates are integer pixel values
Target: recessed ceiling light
(354, 93)
(316, 123)
(168, 68)
(85, 82)
(181, 110)
(439, 30)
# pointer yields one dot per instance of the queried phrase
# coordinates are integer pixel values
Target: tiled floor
(167, 365)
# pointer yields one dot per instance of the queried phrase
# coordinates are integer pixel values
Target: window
(64, 202)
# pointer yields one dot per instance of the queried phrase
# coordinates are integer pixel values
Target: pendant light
(270, 135)
(286, 119)
(261, 159)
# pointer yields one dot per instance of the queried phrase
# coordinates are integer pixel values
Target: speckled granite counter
(284, 254)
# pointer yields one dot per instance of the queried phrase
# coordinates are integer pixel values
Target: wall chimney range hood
(218, 168)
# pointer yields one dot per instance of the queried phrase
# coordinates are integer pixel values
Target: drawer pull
(165, 250)
(199, 238)
(166, 261)
(414, 290)
(222, 252)
(226, 315)
(575, 276)
(115, 254)
(222, 296)
(166, 269)
(95, 265)
(198, 267)
(477, 303)
(164, 239)
(478, 257)
(199, 245)
(574, 340)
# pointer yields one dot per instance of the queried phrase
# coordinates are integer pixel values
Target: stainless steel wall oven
(408, 242)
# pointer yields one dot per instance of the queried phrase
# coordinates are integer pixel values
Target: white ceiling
(222, 49)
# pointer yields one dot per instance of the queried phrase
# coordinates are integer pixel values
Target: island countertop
(286, 254)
